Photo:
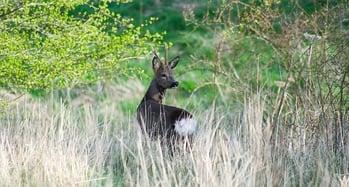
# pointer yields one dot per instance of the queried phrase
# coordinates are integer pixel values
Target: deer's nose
(174, 84)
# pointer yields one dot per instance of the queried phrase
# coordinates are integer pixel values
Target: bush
(58, 44)
(298, 55)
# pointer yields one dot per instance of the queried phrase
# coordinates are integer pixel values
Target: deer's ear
(156, 63)
(173, 63)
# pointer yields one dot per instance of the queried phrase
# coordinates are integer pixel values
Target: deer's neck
(155, 92)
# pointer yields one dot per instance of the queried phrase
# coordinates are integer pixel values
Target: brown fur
(156, 119)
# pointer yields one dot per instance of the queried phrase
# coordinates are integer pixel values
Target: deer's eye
(163, 76)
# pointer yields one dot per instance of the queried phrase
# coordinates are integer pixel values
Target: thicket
(59, 44)
(296, 54)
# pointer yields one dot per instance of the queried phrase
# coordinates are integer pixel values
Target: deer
(169, 124)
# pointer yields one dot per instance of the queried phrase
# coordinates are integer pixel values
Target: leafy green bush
(47, 44)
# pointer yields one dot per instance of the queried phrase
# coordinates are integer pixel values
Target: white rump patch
(185, 126)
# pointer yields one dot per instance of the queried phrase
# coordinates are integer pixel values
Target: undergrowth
(61, 143)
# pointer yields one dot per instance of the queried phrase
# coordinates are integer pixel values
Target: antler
(166, 53)
(155, 53)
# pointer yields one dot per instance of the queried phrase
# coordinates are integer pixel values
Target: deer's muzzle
(174, 84)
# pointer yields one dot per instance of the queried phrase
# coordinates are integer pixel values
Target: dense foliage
(65, 43)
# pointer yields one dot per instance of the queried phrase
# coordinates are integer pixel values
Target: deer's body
(160, 121)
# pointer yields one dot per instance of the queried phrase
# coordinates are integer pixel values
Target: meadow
(87, 143)
(268, 84)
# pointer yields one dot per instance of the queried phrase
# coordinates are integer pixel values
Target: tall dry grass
(50, 143)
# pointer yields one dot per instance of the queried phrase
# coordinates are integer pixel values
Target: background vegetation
(267, 80)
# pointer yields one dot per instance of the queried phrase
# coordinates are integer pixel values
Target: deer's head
(163, 72)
